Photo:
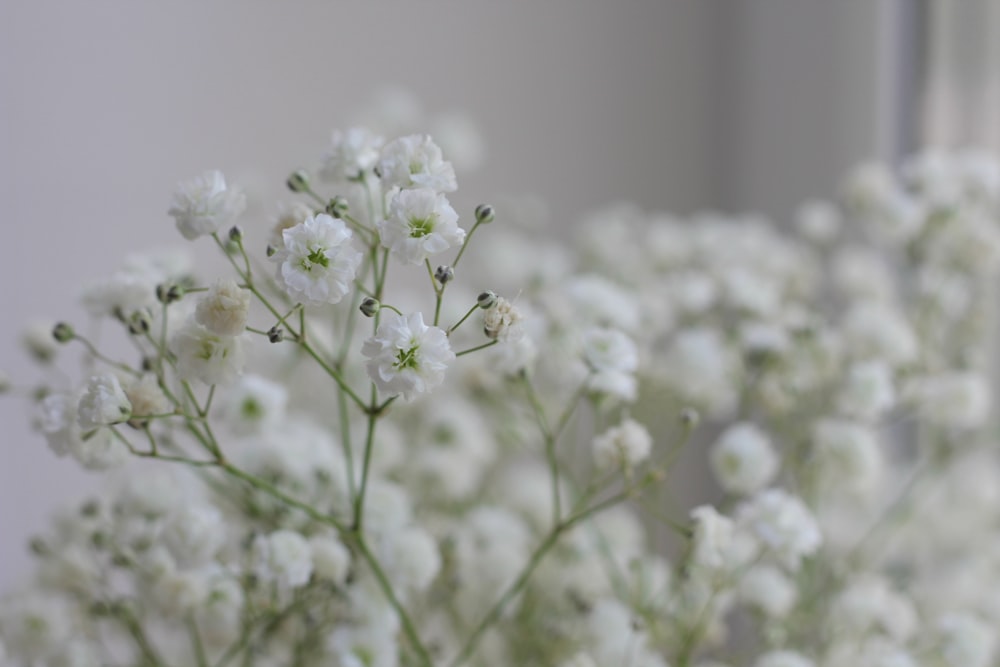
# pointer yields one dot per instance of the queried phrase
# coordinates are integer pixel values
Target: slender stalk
(477, 348)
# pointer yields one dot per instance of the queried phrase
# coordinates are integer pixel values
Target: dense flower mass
(537, 497)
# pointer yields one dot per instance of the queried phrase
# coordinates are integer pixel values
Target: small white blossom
(868, 391)
(331, 559)
(625, 445)
(255, 405)
(58, 421)
(317, 264)
(194, 534)
(203, 355)
(782, 523)
(224, 309)
(415, 161)
(420, 223)
(204, 205)
(846, 455)
(715, 545)
(283, 557)
(146, 397)
(743, 459)
(405, 356)
(38, 341)
(767, 588)
(966, 640)
(351, 154)
(503, 321)
(958, 400)
(103, 403)
(289, 215)
(613, 360)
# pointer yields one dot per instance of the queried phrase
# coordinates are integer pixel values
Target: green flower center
(251, 409)
(406, 358)
(421, 227)
(316, 256)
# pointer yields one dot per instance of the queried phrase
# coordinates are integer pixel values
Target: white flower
(289, 215)
(407, 357)
(743, 459)
(38, 341)
(782, 523)
(224, 309)
(714, 543)
(317, 263)
(103, 403)
(194, 534)
(613, 359)
(868, 603)
(420, 223)
(966, 640)
(415, 161)
(876, 331)
(331, 559)
(146, 397)
(768, 589)
(58, 422)
(203, 355)
(121, 294)
(255, 404)
(411, 558)
(283, 557)
(868, 391)
(818, 221)
(627, 444)
(351, 154)
(847, 455)
(502, 321)
(957, 400)
(203, 205)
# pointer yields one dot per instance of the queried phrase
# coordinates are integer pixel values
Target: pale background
(675, 104)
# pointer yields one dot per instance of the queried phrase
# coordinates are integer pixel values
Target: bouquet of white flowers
(371, 453)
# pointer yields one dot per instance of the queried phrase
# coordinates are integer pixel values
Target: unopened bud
(487, 299)
(485, 214)
(337, 207)
(63, 332)
(689, 418)
(370, 306)
(298, 181)
(444, 274)
(235, 234)
(270, 250)
(276, 334)
(138, 323)
(168, 293)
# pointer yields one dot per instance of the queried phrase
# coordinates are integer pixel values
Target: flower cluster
(349, 472)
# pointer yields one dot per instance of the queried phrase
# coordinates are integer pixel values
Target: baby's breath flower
(421, 223)
(612, 359)
(317, 263)
(415, 161)
(351, 154)
(206, 204)
(103, 403)
(503, 321)
(625, 445)
(743, 460)
(283, 557)
(146, 397)
(407, 357)
(224, 309)
(206, 356)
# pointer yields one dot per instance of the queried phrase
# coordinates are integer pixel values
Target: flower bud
(689, 418)
(276, 334)
(485, 214)
(168, 293)
(63, 332)
(444, 274)
(370, 306)
(298, 181)
(235, 234)
(270, 250)
(337, 207)
(487, 299)
(138, 323)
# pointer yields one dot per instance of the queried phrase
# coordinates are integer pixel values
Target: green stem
(477, 348)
